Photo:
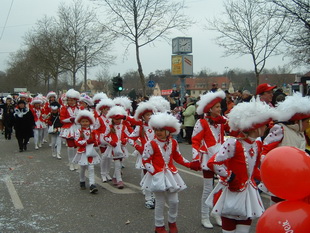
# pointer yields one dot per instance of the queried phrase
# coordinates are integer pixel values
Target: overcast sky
(206, 54)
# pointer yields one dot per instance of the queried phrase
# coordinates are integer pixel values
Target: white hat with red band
(165, 121)
(85, 114)
(207, 101)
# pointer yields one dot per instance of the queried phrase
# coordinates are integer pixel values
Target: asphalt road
(40, 194)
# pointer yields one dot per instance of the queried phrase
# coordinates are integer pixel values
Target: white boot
(205, 210)
(224, 231)
(58, 156)
(217, 219)
(206, 223)
(71, 167)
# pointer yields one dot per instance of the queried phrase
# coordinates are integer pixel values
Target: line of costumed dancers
(97, 131)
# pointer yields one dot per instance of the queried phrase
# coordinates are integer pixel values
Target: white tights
(55, 143)
(173, 203)
(38, 136)
(91, 173)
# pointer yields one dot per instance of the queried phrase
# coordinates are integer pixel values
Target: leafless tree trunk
(142, 22)
(82, 28)
(249, 27)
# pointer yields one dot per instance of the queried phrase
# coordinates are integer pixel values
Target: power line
(7, 17)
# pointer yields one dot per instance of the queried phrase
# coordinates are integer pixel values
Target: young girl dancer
(101, 126)
(38, 113)
(141, 135)
(236, 198)
(207, 137)
(68, 114)
(86, 156)
(116, 137)
(55, 123)
(162, 177)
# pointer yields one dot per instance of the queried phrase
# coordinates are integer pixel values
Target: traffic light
(117, 84)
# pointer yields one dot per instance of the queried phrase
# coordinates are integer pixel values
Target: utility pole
(85, 68)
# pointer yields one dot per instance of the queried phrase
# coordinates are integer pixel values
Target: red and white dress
(138, 138)
(67, 117)
(206, 140)
(116, 142)
(162, 174)
(238, 199)
(86, 141)
(38, 114)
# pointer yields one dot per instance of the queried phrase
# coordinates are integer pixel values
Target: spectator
(214, 87)
(265, 93)
(189, 118)
(246, 96)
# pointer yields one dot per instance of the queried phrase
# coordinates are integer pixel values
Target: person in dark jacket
(23, 124)
(8, 118)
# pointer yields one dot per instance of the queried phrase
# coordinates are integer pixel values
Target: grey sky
(206, 54)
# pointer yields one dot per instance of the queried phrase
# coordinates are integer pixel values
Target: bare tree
(249, 27)
(298, 12)
(86, 42)
(141, 22)
(46, 41)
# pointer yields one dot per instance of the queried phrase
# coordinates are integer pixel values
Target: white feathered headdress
(295, 107)
(165, 121)
(250, 115)
(99, 96)
(71, 93)
(123, 101)
(207, 101)
(144, 107)
(86, 99)
(117, 112)
(50, 94)
(85, 114)
(160, 103)
(105, 103)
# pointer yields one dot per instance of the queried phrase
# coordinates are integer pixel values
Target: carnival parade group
(98, 130)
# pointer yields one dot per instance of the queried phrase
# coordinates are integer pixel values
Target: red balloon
(285, 171)
(285, 217)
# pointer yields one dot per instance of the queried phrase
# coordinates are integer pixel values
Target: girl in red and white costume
(86, 140)
(86, 103)
(162, 177)
(68, 114)
(50, 97)
(38, 113)
(236, 198)
(116, 138)
(207, 137)
(101, 126)
(291, 121)
(138, 138)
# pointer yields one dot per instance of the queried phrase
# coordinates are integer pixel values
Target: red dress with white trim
(38, 114)
(116, 138)
(162, 175)
(239, 198)
(67, 117)
(206, 140)
(138, 138)
(86, 141)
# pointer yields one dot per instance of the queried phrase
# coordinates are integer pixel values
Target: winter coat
(23, 123)
(189, 115)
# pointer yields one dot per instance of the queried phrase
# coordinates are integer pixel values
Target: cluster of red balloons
(286, 173)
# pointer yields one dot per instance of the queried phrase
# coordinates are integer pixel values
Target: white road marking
(14, 196)
(191, 173)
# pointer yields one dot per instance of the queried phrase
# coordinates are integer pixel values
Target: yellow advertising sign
(176, 65)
